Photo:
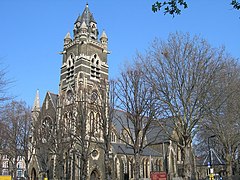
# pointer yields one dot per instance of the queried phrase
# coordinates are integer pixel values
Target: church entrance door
(94, 175)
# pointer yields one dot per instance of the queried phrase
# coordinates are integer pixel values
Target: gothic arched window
(95, 67)
(143, 168)
(92, 123)
(47, 129)
(146, 167)
(70, 67)
(97, 124)
(157, 165)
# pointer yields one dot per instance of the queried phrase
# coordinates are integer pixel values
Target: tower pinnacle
(36, 105)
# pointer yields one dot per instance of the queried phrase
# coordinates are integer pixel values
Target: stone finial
(68, 36)
(104, 35)
(67, 39)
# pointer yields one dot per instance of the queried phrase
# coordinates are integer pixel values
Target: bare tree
(77, 127)
(3, 140)
(44, 141)
(223, 120)
(181, 72)
(64, 145)
(16, 119)
(24, 138)
(81, 125)
(84, 133)
(93, 113)
(4, 97)
(4, 84)
(105, 108)
(136, 100)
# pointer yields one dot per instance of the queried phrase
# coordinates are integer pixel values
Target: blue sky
(32, 32)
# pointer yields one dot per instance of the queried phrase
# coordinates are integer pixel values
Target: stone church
(67, 129)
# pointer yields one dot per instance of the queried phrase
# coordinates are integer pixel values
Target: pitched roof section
(54, 99)
(124, 149)
(161, 134)
(78, 19)
(155, 134)
(215, 159)
(120, 120)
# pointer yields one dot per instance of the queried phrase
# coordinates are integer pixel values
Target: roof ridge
(51, 98)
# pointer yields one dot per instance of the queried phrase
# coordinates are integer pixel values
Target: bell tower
(84, 61)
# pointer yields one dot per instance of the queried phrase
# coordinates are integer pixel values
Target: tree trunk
(59, 168)
(107, 164)
(229, 164)
(186, 163)
(26, 170)
(137, 166)
(73, 167)
(107, 161)
(193, 165)
(84, 167)
(15, 167)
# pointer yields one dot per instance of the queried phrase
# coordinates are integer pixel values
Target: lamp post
(210, 158)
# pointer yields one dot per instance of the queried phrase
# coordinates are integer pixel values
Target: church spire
(87, 16)
(86, 20)
(36, 105)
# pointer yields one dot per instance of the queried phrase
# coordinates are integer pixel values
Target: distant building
(217, 163)
(6, 166)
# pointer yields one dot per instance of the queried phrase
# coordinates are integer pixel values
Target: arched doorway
(94, 175)
(33, 174)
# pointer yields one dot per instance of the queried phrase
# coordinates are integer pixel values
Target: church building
(67, 139)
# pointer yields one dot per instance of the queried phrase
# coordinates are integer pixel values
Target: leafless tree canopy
(4, 85)
(136, 100)
(182, 71)
(15, 122)
(223, 119)
(85, 125)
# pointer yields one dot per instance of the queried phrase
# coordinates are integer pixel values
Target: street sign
(158, 175)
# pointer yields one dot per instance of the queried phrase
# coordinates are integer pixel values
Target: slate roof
(161, 134)
(124, 149)
(155, 133)
(120, 120)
